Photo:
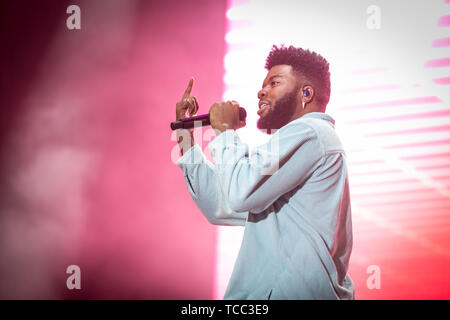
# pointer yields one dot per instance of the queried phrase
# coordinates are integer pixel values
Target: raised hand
(188, 106)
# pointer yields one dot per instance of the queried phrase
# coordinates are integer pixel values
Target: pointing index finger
(187, 93)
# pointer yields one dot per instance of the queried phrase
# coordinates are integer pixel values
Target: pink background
(86, 170)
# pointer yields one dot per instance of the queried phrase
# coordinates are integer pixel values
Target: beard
(280, 114)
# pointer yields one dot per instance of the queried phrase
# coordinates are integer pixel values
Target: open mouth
(263, 109)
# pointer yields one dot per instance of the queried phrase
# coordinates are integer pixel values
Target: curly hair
(308, 64)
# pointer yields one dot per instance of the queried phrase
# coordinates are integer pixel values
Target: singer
(298, 228)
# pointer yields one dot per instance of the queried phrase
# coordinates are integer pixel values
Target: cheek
(275, 94)
(280, 94)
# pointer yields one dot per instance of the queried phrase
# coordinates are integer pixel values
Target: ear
(307, 93)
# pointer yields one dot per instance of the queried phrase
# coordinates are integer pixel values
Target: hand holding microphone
(227, 115)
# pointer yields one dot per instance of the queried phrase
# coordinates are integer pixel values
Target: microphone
(188, 123)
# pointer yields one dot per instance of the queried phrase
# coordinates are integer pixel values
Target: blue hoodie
(292, 195)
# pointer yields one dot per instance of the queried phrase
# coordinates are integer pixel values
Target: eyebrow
(274, 76)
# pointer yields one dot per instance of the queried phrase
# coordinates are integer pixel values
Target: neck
(301, 112)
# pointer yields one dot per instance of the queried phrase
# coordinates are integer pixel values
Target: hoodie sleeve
(275, 168)
(203, 185)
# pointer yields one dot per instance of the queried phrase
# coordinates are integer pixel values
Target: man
(298, 230)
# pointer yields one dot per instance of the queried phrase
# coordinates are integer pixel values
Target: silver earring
(303, 104)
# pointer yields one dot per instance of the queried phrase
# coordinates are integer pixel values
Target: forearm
(209, 198)
(253, 183)
(205, 189)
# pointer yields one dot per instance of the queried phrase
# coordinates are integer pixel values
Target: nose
(261, 94)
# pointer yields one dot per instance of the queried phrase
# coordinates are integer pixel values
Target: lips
(263, 108)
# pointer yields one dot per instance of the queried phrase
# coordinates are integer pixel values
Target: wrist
(220, 128)
(185, 139)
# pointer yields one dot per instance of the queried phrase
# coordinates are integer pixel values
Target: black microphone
(188, 123)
